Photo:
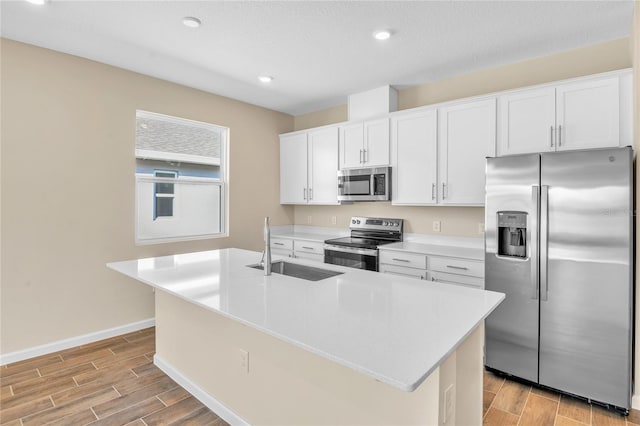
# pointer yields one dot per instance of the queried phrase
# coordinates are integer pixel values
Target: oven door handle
(354, 250)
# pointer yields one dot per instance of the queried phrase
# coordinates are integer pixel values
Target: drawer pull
(462, 268)
(308, 248)
(400, 260)
(278, 244)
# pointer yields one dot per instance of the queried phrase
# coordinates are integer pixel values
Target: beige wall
(68, 130)
(463, 221)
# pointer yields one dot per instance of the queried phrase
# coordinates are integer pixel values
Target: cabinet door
(414, 151)
(351, 145)
(293, 169)
(588, 114)
(376, 143)
(467, 135)
(323, 166)
(527, 122)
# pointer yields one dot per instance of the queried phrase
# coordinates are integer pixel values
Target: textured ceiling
(318, 51)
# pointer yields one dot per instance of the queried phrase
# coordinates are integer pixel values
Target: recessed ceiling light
(38, 2)
(382, 35)
(265, 78)
(191, 22)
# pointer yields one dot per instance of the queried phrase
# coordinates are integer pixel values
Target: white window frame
(221, 182)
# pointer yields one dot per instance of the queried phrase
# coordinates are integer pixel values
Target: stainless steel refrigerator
(559, 244)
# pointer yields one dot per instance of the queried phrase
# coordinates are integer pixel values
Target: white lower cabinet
(310, 250)
(450, 270)
(281, 246)
(301, 249)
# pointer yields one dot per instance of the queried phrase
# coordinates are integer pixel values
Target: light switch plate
(436, 225)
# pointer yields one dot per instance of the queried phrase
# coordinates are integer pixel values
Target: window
(164, 193)
(180, 179)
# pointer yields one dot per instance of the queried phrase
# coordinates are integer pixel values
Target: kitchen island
(356, 348)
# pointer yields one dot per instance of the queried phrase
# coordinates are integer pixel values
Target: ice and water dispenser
(512, 234)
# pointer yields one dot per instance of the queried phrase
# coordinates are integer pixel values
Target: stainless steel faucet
(266, 254)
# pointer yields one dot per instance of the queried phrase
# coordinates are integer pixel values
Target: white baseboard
(74, 341)
(213, 404)
(635, 402)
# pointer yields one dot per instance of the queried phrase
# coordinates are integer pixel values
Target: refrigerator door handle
(535, 195)
(544, 242)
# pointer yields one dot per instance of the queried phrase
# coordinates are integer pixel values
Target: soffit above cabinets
(318, 53)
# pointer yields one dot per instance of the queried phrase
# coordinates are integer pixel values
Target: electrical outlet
(309, 220)
(436, 225)
(334, 220)
(449, 403)
(244, 360)
(480, 228)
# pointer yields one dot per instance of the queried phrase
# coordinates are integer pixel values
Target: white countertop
(308, 233)
(436, 249)
(394, 329)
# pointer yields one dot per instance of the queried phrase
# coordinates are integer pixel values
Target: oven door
(352, 257)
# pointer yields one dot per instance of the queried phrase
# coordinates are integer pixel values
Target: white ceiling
(318, 51)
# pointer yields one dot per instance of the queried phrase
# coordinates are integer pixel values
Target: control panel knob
(353, 221)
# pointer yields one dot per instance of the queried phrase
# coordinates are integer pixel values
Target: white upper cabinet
(308, 167)
(293, 168)
(364, 144)
(414, 140)
(527, 121)
(351, 145)
(323, 166)
(466, 136)
(589, 113)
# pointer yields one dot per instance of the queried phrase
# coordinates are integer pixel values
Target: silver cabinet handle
(308, 248)
(544, 242)
(433, 191)
(361, 160)
(433, 279)
(462, 268)
(533, 240)
(311, 193)
(443, 191)
(551, 137)
(278, 244)
(560, 135)
(364, 156)
(304, 193)
(400, 260)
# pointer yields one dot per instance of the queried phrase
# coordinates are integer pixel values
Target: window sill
(180, 239)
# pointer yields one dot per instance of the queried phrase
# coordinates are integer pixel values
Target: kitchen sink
(295, 270)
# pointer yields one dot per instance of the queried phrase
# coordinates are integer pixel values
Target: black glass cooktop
(369, 243)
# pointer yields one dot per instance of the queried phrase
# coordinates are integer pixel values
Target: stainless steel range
(360, 250)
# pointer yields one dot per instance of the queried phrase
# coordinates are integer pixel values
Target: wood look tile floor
(508, 402)
(110, 382)
(114, 382)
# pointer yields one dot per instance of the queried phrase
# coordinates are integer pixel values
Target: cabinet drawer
(443, 277)
(281, 252)
(420, 274)
(310, 256)
(473, 268)
(413, 260)
(282, 243)
(308, 247)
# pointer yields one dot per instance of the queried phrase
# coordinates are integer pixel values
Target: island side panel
(285, 384)
(469, 375)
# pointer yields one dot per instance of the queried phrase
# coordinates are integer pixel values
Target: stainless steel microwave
(366, 184)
